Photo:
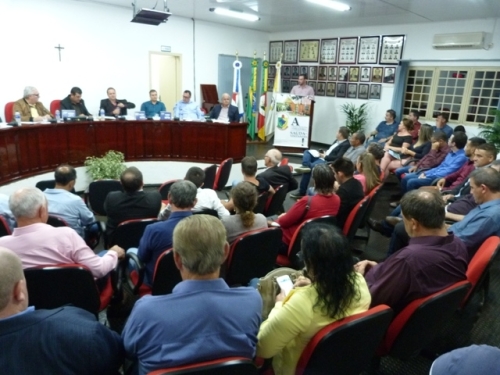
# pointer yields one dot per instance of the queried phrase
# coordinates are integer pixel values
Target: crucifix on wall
(59, 48)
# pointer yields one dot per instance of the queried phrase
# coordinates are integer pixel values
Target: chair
(355, 218)
(165, 188)
(206, 211)
(261, 203)
(347, 345)
(98, 190)
(222, 175)
(129, 233)
(274, 203)
(223, 366)
(210, 173)
(56, 221)
(49, 184)
(9, 111)
(478, 269)
(55, 105)
(417, 324)
(253, 254)
(290, 260)
(4, 227)
(369, 209)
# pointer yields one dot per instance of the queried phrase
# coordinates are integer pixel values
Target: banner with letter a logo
(291, 128)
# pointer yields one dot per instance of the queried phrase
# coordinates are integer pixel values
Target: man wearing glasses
(30, 108)
(186, 109)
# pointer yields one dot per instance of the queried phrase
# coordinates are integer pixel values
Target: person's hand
(363, 266)
(386, 147)
(447, 197)
(270, 223)
(301, 281)
(47, 117)
(39, 118)
(121, 105)
(435, 146)
(440, 183)
(336, 186)
(404, 150)
(120, 251)
(116, 111)
(412, 169)
(422, 175)
(281, 296)
(373, 133)
(322, 155)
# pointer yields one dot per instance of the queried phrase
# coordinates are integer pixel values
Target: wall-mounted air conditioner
(460, 41)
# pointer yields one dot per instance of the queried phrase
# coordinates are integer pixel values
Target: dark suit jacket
(276, 176)
(79, 108)
(109, 107)
(120, 206)
(66, 340)
(232, 113)
(338, 151)
(350, 193)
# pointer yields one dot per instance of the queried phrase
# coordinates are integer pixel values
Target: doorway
(165, 77)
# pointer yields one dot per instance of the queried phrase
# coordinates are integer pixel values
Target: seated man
(158, 236)
(186, 109)
(115, 107)
(66, 340)
(39, 244)
(276, 174)
(133, 203)
(386, 128)
(432, 261)
(442, 124)
(66, 205)
(75, 102)
(474, 359)
(153, 107)
(225, 111)
(6, 212)
(206, 319)
(30, 108)
(356, 140)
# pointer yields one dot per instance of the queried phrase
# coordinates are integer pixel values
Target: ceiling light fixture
(336, 5)
(235, 14)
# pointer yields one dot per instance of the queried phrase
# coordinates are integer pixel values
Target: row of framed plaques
(373, 74)
(337, 89)
(385, 49)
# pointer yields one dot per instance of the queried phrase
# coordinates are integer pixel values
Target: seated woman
(393, 147)
(324, 202)
(368, 172)
(333, 291)
(244, 196)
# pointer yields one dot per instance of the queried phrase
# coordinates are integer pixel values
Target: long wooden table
(33, 149)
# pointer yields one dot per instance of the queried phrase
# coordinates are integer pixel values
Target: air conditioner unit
(460, 41)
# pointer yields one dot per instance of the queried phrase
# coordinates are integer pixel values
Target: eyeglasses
(35, 94)
(185, 97)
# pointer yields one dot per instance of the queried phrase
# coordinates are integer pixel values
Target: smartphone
(285, 283)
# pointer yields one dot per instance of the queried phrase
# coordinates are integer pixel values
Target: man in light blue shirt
(153, 107)
(385, 129)
(66, 205)
(186, 109)
(442, 124)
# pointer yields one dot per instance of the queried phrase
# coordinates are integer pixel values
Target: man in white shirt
(186, 109)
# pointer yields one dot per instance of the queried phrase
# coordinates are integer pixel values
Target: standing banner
(261, 120)
(292, 121)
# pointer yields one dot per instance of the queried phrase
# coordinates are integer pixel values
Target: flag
(271, 115)
(261, 120)
(237, 92)
(250, 106)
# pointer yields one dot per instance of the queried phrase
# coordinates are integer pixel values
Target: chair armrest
(140, 268)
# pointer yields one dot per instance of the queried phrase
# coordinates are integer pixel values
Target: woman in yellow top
(333, 292)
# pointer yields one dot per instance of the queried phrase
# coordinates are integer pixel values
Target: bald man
(66, 340)
(276, 174)
(225, 112)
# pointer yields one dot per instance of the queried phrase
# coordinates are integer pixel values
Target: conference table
(29, 150)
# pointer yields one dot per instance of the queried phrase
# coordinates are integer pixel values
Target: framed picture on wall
(389, 75)
(290, 51)
(313, 85)
(309, 50)
(341, 90)
(313, 73)
(375, 91)
(322, 72)
(285, 85)
(304, 69)
(328, 53)
(330, 89)
(352, 90)
(353, 74)
(343, 73)
(332, 73)
(391, 49)
(275, 51)
(368, 49)
(347, 50)
(365, 74)
(293, 83)
(271, 73)
(270, 85)
(377, 74)
(363, 90)
(321, 89)
(295, 71)
(286, 71)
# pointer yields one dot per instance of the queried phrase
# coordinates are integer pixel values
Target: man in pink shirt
(37, 243)
(303, 89)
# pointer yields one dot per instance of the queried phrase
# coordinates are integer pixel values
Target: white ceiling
(287, 15)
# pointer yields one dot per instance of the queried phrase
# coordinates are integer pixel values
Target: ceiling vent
(150, 16)
(460, 41)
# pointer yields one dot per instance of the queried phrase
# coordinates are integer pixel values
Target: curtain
(399, 88)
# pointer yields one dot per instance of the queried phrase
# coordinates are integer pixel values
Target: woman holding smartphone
(331, 291)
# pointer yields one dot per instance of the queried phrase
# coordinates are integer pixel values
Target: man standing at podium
(186, 109)
(225, 112)
(303, 89)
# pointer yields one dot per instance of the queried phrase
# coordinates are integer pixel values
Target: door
(165, 77)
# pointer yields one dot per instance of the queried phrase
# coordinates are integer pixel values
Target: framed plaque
(328, 53)
(363, 90)
(312, 84)
(295, 72)
(286, 72)
(290, 51)
(293, 83)
(347, 50)
(322, 73)
(368, 49)
(313, 73)
(389, 74)
(365, 74)
(352, 90)
(375, 91)
(309, 50)
(271, 73)
(391, 49)
(330, 89)
(275, 51)
(353, 74)
(303, 69)
(321, 89)
(332, 73)
(285, 85)
(343, 73)
(270, 85)
(340, 90)
(377, 74)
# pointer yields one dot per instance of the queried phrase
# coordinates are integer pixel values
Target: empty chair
(355, 218)
(222, 175)
(210, 173)
(98, 191)
(9, 111)
(165, 188)
(128, 233)
(223, 366)
(274, 205)
(261, 203)
(55, 105)
(56, 221)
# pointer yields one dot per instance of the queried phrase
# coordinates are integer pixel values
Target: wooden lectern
(209, 97)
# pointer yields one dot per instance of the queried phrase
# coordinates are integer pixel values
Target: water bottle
(101, 114)
(58, 115)
(17, 117)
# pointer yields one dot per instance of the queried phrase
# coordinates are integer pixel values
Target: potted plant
(109, 166)
(356, 116)
(491, 132)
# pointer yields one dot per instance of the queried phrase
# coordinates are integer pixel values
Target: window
(469, 95)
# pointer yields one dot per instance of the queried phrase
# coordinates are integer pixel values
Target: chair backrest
(223, 366)
(223, 173)
(56, 221)
(274, 203)
(347, 345)
(206, 211)
(129, 233)
(416, 325)
(54, 106)
(98, 191)
(50, 287)
(355, 218)
(371, 203)
(166, 275)
(283, 161)
(210, 173)
(261, 203)
(9, 109)
(46, 184)
(480, 264)
(165, 188)
(4, 227)
(253, 254)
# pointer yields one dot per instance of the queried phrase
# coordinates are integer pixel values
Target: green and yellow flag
(251, 108)
(261, 122)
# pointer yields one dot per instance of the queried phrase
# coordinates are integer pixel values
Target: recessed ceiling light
(341, 7)
(232, 13)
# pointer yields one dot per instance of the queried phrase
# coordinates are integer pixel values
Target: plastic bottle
(58, 116)
(17, 117)
(101, 114)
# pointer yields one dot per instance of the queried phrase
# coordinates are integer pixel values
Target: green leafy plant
(491, 132)
(109, 166)
(356, 116)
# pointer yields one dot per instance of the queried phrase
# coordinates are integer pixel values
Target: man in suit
(113, 106)
(30, 108)
(311, 158)
(133, 203)
(75, 102)
(65, 340)
(277, 175)
(225, 112)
